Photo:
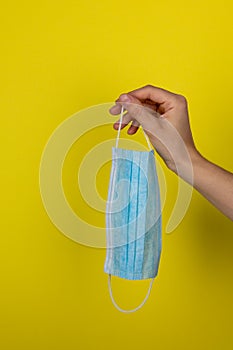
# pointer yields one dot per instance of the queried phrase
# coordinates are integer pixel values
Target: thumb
(143, 115)
(132, 105)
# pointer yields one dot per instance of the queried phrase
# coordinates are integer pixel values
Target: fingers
(144, 107)
(125, 121)
(133, 127)
(152, 93)
(127, 118)
(132, 105)
(150, 96)
(138, 113)
(116, 109)
(125, 100)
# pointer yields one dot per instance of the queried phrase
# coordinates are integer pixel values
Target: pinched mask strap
(119, 131)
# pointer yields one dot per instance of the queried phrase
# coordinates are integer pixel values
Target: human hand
(164, 117)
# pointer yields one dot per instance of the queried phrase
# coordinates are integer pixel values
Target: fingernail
(124, 98)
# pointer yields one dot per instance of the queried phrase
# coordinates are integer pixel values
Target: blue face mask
(133, 217)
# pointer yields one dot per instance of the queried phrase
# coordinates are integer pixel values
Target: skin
(164, 116)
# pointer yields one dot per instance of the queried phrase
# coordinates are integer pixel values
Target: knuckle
(121, 97)
(181, 100)
(149, 86)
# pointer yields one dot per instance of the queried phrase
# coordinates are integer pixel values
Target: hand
(164, 117)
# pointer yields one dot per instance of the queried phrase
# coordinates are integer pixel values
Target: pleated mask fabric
(133, 217)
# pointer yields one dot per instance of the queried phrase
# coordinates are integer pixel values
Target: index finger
(153, 93)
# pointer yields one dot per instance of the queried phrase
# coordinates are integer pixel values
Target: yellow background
(60, 57)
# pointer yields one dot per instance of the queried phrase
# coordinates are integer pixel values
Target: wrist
(187, 164)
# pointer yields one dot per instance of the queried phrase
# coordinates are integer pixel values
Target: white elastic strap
(119, 127)
(136, 308)
(119, 131)
(147, 140)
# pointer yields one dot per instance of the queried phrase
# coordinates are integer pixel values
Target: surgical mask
(133, 217)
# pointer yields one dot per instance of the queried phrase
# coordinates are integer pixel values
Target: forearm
(164, 117)
(214, 183)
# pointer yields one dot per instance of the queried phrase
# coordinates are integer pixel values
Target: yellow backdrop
(56, 59)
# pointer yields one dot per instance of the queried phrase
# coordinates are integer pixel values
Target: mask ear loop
(136, 308)
(119, 131)
(119, 127)
(147, 140)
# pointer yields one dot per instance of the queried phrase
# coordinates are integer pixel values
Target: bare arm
(215, 184)
(164, 117)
